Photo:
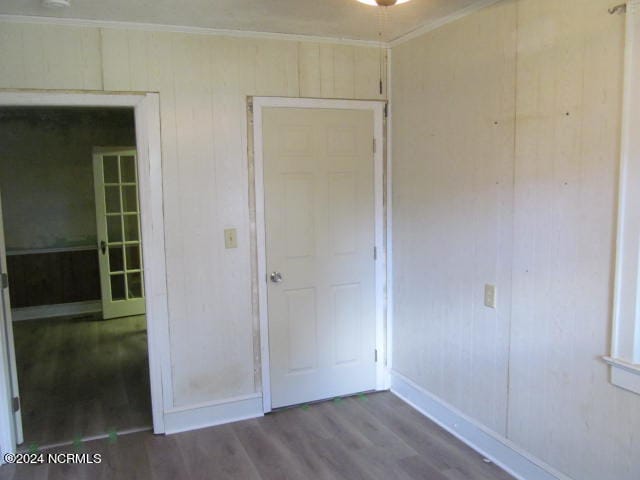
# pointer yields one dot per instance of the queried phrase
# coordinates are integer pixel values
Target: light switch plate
(490, 296)
(230, 238)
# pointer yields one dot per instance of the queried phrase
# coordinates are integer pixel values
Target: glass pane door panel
(131, 228)
(116, 261)
(114, 228)
(111, 169)
(134, 282)
(117, 287)
(132, 253)
(112, 199)
(129, 198)
(128, 169)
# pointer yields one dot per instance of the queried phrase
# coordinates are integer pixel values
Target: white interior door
(119, 241)
(320, 226)
(11, 372)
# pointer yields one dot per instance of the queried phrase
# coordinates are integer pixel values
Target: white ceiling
(326, 18)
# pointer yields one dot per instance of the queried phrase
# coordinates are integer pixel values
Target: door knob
(276, 277)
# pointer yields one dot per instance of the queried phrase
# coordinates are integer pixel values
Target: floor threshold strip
(111, 435)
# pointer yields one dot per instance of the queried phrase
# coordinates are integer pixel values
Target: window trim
(625, 339)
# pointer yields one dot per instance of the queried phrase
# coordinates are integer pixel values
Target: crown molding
(152, 27)
(432, 25)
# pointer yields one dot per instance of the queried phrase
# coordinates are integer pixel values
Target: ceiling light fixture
(383, 3)
(56, 3)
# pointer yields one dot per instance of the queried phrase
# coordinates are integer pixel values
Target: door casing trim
(381, 226)
(146, 106)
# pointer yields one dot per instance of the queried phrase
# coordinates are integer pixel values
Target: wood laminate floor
(82, 377)
(377, 436)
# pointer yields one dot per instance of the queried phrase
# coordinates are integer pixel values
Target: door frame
(14, 417)
(381, 274)
(146, 108)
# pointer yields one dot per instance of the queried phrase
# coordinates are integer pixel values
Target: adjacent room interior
(366, 239)
(70, 217)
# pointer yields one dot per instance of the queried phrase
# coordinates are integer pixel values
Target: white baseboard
(498, 449)
(58, 310)
(183, 419)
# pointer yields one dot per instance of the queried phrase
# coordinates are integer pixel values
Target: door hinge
(5, 280)
(16, 404)
(375, 355)
(386, 110)
(375, 253)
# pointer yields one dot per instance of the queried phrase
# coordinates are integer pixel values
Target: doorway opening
(71, 223)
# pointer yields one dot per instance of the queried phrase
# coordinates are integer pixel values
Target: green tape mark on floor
(33, 448)
(77, 442)
(113, 436)
(362, 396)
(305, 407)
(337, 400)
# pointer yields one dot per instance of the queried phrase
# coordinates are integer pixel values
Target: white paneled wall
(527, 203)
(453, 134)
(562, 407)
(203, 83)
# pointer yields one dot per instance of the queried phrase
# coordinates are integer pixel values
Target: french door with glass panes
(119, 242)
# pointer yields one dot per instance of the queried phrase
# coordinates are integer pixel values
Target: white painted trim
(147, 121)
(11, 432)
(625, 338)
(40, 251)
(630, 367)
(389, 214)
(624, 375)
(42, 312)
(498, 449)
(150, 193)
(68, 98)
(377, 107)
(153, 27)
(214, 413)
(215, 403)
(434, 24)
(258, 170)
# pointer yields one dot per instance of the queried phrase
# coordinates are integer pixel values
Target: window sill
(624, 375)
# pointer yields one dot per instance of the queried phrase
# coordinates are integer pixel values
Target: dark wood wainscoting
(53, 277)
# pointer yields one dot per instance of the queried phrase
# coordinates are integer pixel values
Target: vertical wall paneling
(344, 64)
(11, 55)
(276, 68)
(203, 82)
(49, 56)
(570, 58)
(367, 72)
(531, 207)
(453, 133)
(327, 79)
(115, 59)
(309, 60)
